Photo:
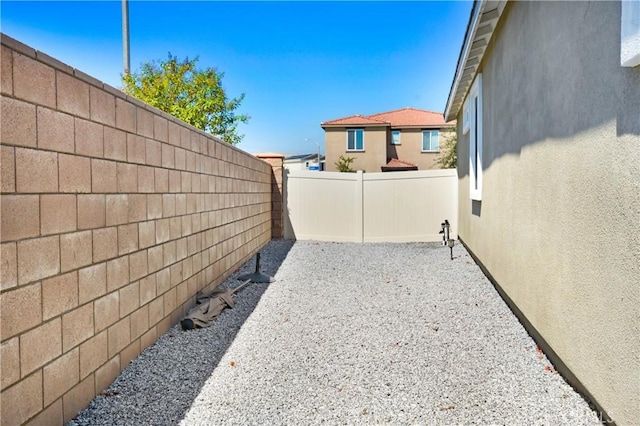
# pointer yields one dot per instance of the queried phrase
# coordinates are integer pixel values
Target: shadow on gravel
(159, 386)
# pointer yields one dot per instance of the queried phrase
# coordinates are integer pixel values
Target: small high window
(430, 141)
(355, 140)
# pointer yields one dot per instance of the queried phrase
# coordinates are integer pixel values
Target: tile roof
(355, 119)
(411, 117)
(397, 163)
(403, 117)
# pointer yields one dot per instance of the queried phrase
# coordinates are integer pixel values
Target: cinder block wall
(114, 215)
(276, 162)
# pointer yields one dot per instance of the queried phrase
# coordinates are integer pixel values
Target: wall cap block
(59, 65)
(87, 78)
(136, 101)
(17, 46)
(114, 91)
(262, 155)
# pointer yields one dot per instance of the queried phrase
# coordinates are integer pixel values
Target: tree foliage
(193, 95)
(449, 151)
(344, 164)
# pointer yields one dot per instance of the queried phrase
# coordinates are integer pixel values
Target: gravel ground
(349, 334)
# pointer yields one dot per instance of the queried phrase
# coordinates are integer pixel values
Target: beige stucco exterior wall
(558, 227)
(114, 215)
(410, 148)
(370, 160)
(378, 148)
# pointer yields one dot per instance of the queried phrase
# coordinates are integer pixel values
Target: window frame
(474, 99)
(355, 140)
(431, 132)
(465, 117)
(399, 137)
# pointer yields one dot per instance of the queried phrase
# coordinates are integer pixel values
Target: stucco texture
(558, 224)
(369, 160)
(378, 148)
(410, 148)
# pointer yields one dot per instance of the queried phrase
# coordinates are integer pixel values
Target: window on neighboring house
(395, 137)
(474, 100)
(430, 141)
(355, 140)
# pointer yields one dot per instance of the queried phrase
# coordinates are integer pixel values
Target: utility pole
(125, 37)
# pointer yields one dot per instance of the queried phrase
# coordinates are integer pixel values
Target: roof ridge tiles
(337, 120)
(405, 108)
(402, 117)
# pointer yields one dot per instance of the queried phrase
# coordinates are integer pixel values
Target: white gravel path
(351, 334)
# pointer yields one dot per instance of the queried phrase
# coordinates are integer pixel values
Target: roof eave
(398, 169)
(483, 20)
(421, 126)
(324, 126)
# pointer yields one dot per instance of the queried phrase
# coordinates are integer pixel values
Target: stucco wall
(558, 226)
(114, 215)
(370, 160)
(378, 148)
(410, 148)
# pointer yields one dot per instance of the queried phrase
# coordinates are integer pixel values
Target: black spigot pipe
(257, 276)
(258, 263)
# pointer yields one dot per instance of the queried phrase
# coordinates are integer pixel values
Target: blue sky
(298, 63)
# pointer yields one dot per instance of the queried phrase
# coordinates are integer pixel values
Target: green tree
(193, 95)
(344, 164)
(449, 151)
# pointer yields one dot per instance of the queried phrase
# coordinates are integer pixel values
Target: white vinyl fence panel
(369, 207)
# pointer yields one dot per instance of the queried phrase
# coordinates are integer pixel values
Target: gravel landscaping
(348, 334)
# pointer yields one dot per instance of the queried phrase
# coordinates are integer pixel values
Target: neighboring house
(304, 162)
(411, 135)
(547, 101)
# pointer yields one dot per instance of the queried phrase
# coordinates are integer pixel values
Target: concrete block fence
(114, 215)
(276, 161)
